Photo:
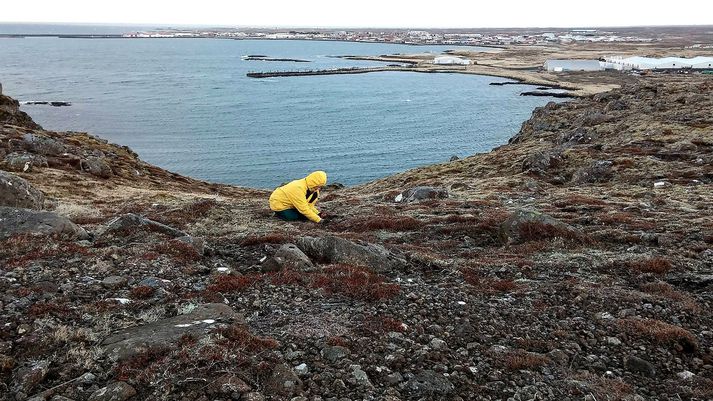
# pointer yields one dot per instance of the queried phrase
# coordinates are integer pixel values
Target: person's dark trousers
(290, 215)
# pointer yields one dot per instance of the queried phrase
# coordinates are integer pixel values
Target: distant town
(413, 37)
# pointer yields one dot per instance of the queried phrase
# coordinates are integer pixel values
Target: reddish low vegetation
(657, 265)
(142, 292)
(230, 283)
(383, 222)
(520, 359)
(660, 332)
(354, 282)
(179, 251)
(488, 285)
(140, 368)
(21, 250)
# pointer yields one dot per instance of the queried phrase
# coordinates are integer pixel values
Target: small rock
(428, 384)
(685, 375)
(421, 193)
(302, 369)
(114, 282)
(613, 341)
(334, 353)
(288, 256)
(283, 381)
(253, 397)
(17, 192)
(360, 376)
(228, 384)
(638, 365)
(394, 378)
(29, 377)
(438, 344)
(97, 166)
(87, 378)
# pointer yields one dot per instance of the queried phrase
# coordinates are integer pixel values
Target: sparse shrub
(237, 335)
(287, 277)
(668, 291)
(537, 230)
(660, 332)
(354, 282)
(523, 360)
(20, 250)
(141, 367)
(272, 238)
(656, 265)
(142, 292)
(179, 251)
(48, 308)
(382, 222)
(230, 283)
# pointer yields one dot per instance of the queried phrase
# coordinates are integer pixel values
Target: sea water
(187, 105)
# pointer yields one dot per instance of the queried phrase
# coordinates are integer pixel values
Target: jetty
(332, 71)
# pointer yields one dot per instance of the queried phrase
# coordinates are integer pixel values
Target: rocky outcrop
(199, 323)
(14, 221)
(331, 249)
(421, 193)
(10, 114)
(288, 256)
(17, 192)
(131, 222)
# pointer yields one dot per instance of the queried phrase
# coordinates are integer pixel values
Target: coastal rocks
(421, 193)
(164, 332)
(130, 222)
(17, 192)
(598, 171)
(331, 249)
(24, 162)
(528, 225)
(15, 221)
(97, 166)
(288, 256)
(43, 145)
(10, 114)
(117, 391)
(577, 136)
(539, 163)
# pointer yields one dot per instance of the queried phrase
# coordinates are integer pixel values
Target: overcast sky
(362, 13)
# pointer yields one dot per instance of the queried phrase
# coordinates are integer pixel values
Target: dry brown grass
(523, 360)
(660, 332)
(668, 291)
(657, 265)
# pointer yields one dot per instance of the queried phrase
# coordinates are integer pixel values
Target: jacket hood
(316, 179)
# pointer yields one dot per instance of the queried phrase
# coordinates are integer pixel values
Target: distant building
(573, 65)
(450, 60)
(666, 63)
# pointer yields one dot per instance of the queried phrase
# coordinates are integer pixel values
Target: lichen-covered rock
(598, 171)
(288, 256)
(421, 193)
(331, 249)
(165, 332)
(15, 221)
(43, 145)
(541, 162)
(97, 166)
(24, 162)
(528, 225)
(17, 192)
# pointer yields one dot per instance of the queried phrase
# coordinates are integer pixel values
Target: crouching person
(297, 199)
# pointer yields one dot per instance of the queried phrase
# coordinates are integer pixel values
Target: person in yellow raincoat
(296, 200)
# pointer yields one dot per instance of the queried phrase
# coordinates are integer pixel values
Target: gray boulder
(331, 249)
(525, 225)
(44, 145)
(640, 366)
(599, 171)
(97, 166)
(540, 162)
(130, 221)
(290, 256)
(17, 192)
(429, 384)
(283, 381)
(421, 193)
(165, 332)
(24, 162)
(15, 221)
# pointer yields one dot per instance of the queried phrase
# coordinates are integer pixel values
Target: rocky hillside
(573, 263)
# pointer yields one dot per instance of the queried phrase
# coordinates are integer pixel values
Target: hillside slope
(573, 263)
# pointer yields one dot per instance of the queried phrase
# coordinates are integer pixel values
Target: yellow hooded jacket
(294, 195)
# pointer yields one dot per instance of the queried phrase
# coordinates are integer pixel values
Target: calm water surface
(187, 106)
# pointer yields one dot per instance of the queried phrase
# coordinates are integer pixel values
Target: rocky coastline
(574, 263)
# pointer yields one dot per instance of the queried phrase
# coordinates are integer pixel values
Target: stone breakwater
(572, 263)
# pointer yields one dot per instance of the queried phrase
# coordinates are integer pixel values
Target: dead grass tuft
(660, 332)
(657, 265)
(354, 282)
(523, 360)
